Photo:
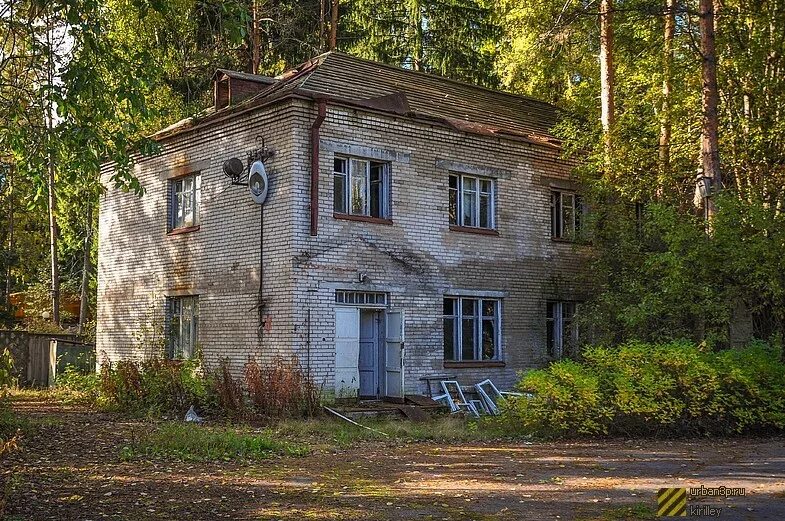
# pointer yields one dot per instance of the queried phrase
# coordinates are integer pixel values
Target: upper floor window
(182, 316)
(471, 201)
(562, 332)
(184, 207)
(361, 187)
(566, 214)
(471, 328)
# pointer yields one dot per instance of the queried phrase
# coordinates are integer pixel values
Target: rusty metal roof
(469, 107)
(344, 79)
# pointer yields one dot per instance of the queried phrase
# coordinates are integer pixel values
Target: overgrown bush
(157, 386)
(637, 388)
(154, 386)
(281, 389)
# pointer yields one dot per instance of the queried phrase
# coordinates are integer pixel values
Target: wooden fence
(49, 357)
(38, 358)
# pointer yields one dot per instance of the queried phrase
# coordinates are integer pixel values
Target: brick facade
(416, 260)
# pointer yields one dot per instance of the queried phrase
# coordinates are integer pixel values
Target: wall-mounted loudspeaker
(258, 182)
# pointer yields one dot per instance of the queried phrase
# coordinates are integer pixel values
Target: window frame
(456, 199)
(556, 323)
(174, 327)
(578, 210)
(348, 175)
(479, 319)
(175, 201)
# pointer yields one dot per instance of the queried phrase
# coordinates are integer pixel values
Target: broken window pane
(359, 195)
(339, 193)
(467, 338)
(488, 308)
(449, 339)
(488, 339)
(376, 199)
(449, 306)
(453, 202)
(568, 215)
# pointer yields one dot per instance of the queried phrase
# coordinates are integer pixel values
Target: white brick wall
(416, 259)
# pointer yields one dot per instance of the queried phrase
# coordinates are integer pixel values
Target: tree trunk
(53, 242)
(255, 54)
(84, 294)
(667, 92)
(10, 245)
(334, 25)
(50, 184)
(607, 72)
(322, 14)
(710, 151)
(417, 44)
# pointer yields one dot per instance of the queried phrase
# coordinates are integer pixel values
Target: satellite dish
(233, 168)
(257, 182)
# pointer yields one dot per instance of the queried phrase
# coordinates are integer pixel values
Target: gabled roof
(345, 79)
(340, 76)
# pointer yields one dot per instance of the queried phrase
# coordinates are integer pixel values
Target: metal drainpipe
(322, 105)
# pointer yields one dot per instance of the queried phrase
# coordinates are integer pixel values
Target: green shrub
(155, 386)
(567, 399)
(6, 369)
(78, 385)
(675, 388)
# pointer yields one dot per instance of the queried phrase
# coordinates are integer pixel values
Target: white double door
(369, 350)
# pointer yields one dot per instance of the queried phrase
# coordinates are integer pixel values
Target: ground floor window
(182, 317)
(561, 329)
(471, 328)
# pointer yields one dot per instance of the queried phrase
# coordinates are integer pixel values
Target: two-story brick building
(414, 226)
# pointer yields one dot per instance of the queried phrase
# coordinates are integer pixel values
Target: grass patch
(332, 431)
(189, 442)
(637, 511)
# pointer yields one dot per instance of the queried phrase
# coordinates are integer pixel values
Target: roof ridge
(325, 56)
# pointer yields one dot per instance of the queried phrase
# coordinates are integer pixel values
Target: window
(182, 324)
(566, 213)
(471, 201)
(471, 328)
(360, 298)
(184, 207)
(562, 332)
(361, 187)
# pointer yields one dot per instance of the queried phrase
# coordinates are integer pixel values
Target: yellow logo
(671, 502)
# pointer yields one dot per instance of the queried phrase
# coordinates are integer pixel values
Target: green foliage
(452, 38)
(643, 389)
(6, 370)
(191, 442)
(568, 399)
(669, 279)
(155, 386)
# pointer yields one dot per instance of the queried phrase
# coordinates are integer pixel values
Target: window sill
(186, 229)
(361, 218)
(470, 229)
(563, 239)
(470, 364)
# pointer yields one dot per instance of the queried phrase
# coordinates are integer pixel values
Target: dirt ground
(70, 469)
